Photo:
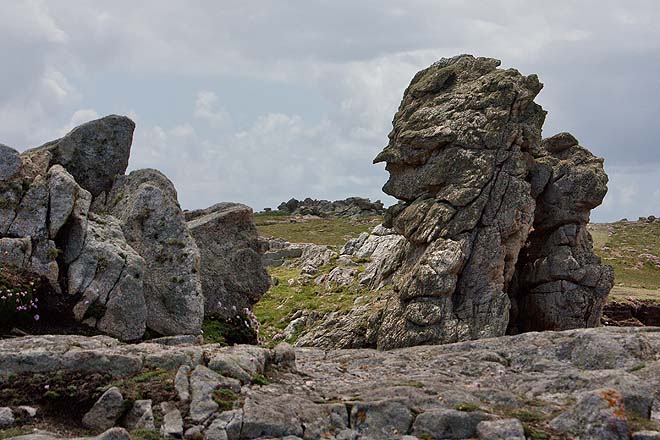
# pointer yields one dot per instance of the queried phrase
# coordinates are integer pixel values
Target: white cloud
(206, 108)
(598, 59)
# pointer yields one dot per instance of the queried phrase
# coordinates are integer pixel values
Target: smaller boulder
(140, 416)
(598, 414)
(505, 429)
(172, 426)
(106, 411)
(6, 417)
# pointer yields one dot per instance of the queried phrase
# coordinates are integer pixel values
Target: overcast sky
(261, 101)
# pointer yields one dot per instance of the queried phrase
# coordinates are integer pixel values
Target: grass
(12, 432)
(325, 231)
(633, 250)
(276, 307)
(225, 398)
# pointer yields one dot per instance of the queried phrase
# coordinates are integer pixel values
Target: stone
(145, 202)
(646, 435)
(6, 417)
(448, 424)
(505, 429)
(227, 426)
(65, 199)
(10, 162)
(474, 178)
(232, 270)
(108, 278)
(140, 416)
(203, 382)
(341, 276)
(284, 356)
(106, 411)
(542, 374)
(350, 207)
(465, 195)
(172, 426)
(182, 383)
(94, 153)
(561, 284)
(598, 414)
(381, 419)
(242, 362)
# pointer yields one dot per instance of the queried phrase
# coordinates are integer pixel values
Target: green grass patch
(225, 398)
(276, 307)
(145, 434)
(12, 432)
(148, 376)
(325, 231)
(632, 249)
(467, 407)
(260, 379)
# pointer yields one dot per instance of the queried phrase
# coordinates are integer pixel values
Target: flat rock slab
(546, 381)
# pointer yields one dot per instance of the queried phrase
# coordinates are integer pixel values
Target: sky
(261, 101)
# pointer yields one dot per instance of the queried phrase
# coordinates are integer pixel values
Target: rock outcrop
(350, 207)
(145, 202)
(233, 276)
(466, 160)
(560, 283)
(94, 153)
(583, 383)
(112, 251)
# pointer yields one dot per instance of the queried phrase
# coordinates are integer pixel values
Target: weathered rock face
(115, 250)
(350, 207)
(233, 273)
(475, 179)
(153, 223)
(107, 278)
(94, 153)
(459, 157)
(560, 283)
(585, 383)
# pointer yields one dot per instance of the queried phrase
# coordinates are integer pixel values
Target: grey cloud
(598, 58)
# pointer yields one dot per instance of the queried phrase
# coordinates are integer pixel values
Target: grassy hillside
(633, 249)
(329, 231)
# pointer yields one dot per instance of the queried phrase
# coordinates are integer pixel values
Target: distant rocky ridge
(350, 207)
(115, 251)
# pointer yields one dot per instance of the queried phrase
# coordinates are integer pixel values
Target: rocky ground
(591, 383)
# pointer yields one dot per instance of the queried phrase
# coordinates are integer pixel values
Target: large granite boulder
(459, 158)
(145, 202)
(474, 179)
(560, 283)
(233, 273)
(94, 153)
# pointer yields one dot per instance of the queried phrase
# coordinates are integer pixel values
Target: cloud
(598, 59)
(206, 109)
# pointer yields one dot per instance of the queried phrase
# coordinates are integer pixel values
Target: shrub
(17, 298)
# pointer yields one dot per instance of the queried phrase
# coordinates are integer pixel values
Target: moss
(12, 432)
(637, 367)
(145, 434)
(467, 407)
(260, 379)
(52, 395)
(536, 433)
(148, 375)
(225, 398)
